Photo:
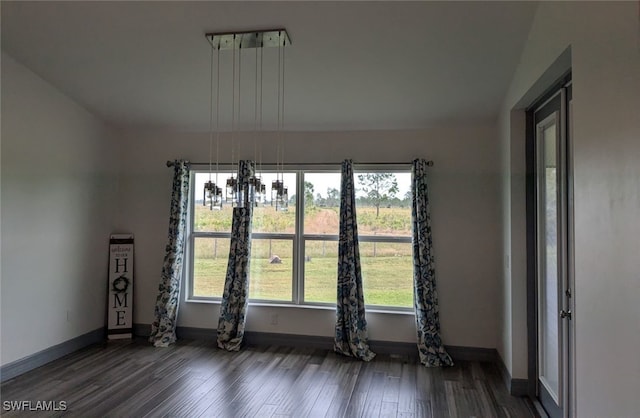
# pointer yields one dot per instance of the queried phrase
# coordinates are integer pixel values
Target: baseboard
(461, 353)
(457, 353)
(23, 365)
(142, 330)
(516, 387)
(519, 387)
(289, 340)
(504, 373)
(257, 338)
(199, 334)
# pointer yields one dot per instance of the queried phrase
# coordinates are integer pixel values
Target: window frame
(299, 238)
(192, 235)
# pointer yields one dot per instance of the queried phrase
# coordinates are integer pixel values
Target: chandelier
(252, 192)
(213, 193)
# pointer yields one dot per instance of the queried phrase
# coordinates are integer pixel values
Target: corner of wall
(54, 250)
(504, 343)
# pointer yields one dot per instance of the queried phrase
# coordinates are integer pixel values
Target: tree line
(375, 190)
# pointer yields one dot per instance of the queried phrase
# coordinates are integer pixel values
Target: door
(553, 253)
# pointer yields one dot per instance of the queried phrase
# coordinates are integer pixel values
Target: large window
(294, 254)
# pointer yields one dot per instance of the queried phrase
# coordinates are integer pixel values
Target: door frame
(531, 243)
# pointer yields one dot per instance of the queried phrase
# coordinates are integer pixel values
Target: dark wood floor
(194, 379)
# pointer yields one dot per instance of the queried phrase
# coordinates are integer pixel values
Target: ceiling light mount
(252, 39)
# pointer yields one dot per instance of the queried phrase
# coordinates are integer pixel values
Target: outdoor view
(384, 226)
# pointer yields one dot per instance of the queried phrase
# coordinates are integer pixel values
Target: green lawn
(386, 267)
(387, 280)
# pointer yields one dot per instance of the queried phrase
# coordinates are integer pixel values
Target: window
(294, 254)
(272, 245)
(383, 211)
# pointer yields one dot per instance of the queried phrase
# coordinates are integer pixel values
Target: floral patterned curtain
(236, 286)
(432, 352)
(163, 328)
(351, 325)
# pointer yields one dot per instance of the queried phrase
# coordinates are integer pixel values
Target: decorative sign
(120, 293)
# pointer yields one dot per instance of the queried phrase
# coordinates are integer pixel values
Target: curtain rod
(429, 163)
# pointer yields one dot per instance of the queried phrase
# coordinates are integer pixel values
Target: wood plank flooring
(194, 379)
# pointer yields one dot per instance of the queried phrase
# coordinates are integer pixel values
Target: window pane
(548, 295)
(387, 273)
(271, 269)
(321, 203)
(269, 279)
(205, 219)
(267, 219)
(320, 271)
(383, 203)
(210, 266)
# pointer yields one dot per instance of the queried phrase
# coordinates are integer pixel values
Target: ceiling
(351, 65)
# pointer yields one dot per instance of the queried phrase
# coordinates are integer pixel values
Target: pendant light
(213, 193)
(256, 187)
(233, 195)
(280, 192)
(253, 191)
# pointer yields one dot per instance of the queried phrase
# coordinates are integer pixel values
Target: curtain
(236, 286)
(351, 325)
(425, 298)
(163, 328)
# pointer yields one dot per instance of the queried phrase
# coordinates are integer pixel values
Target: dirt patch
(324, 221)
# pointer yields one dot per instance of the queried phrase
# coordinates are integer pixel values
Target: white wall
(57, 199)
(605, 54)
(465, 212)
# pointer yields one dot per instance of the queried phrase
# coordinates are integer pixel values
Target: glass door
(552, 255)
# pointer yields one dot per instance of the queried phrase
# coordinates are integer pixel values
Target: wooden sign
(120, 293)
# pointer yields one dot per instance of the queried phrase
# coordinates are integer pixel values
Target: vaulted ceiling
(352, 65)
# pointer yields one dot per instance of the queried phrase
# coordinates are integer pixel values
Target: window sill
(381, 310)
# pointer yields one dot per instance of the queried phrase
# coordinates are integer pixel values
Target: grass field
(387, 280)
(386, 267)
